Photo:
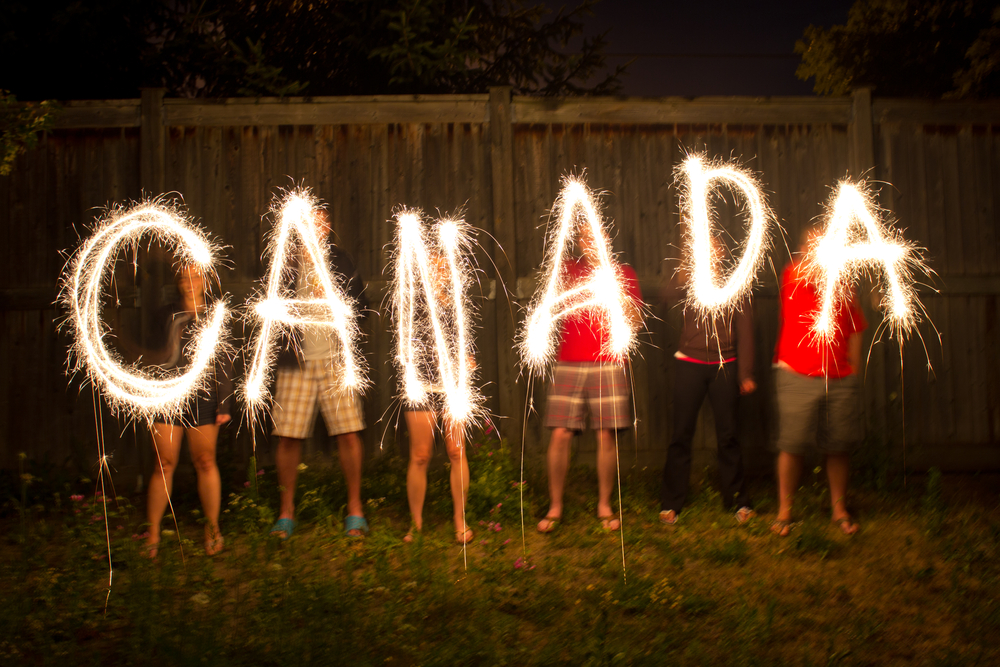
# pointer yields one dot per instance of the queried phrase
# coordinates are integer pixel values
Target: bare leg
(167, 443)
(838, 468)
(287, 460)
(455, 447)
(607, 466)
(421, 428)
(560, 447)
(351, 453)
(789, 471)
(202, 441)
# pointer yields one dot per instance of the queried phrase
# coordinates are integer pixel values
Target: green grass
(920, 584)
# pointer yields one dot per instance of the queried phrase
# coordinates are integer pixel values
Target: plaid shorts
(295, 404)
(577, 385)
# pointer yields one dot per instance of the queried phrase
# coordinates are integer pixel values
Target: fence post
(505, 259)
(152, 141)
(861, 134)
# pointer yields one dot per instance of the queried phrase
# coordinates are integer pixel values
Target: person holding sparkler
(715, 359)
(306, 376)
(421, 417)
(817, 384)
(201, 419)
(587, 376)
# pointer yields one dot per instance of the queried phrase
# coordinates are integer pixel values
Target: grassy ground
(918, 585)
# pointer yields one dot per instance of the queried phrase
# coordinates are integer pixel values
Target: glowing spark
(278, 310)
(854, 242)
(129, 389)
(601, 291)
(706, 294)
(435, 276)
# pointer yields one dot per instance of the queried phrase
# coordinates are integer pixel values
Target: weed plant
(908, 589)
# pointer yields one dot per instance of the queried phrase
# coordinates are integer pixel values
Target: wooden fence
(499, 160)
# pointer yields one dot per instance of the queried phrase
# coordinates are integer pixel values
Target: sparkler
(707, 295)
(279, 309)
(435, 275)
(601, 291)
(145, 395)
(855, 241)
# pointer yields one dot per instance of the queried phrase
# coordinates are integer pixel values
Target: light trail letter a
(331, 308)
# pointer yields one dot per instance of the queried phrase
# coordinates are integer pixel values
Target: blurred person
(201, 420)
(586, 377)
(307, 376)
(715, 358)
(817, 389)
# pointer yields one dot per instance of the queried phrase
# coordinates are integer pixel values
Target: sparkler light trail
(430, 303)
(143, 394)
(602, 291)
(854, 242)
(698, 179)
(280, 309)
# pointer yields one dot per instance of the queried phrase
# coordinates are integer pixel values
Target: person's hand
(748, 386)
(221, 419)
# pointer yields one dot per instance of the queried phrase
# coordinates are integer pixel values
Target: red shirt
(583, 335)
(798, 346)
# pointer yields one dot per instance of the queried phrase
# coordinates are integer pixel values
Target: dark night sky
(741, 31)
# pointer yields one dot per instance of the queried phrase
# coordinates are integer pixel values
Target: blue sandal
(353, 522)
(286, 526)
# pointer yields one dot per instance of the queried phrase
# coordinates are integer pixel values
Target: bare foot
(151, 549)
(464, 536)
(213, 540)
(846, 524)
(610, 522)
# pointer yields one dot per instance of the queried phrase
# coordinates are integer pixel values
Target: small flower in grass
(499, 505)
(489, 428)
(302, 468)
(119, 527)
(506, 542)
(246, 484)
(260, 473)
(518, 563)
(484, 542)
(77, 497)
(496, 527)
(140, 536)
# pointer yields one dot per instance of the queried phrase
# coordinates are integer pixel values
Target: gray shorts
(817, 410)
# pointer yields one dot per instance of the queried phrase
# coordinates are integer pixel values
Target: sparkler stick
(142, 394)
(856, 241)
(602, 291)
(278, 309)
(421, 279)
(707, 295)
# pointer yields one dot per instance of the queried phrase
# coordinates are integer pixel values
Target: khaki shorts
(817, 410)
(604, 388)
(299, 389)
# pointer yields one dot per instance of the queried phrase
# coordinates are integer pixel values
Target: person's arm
(745, 346)
(854, 351)
(633, 304)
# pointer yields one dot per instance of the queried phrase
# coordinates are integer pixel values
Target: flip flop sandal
(353, 522)
(464, 537)
(551, 523)
(606, 522)
(283, 529)
(669, 517)
(844, 523)
(781, 528)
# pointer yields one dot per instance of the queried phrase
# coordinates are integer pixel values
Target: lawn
(918, 585)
